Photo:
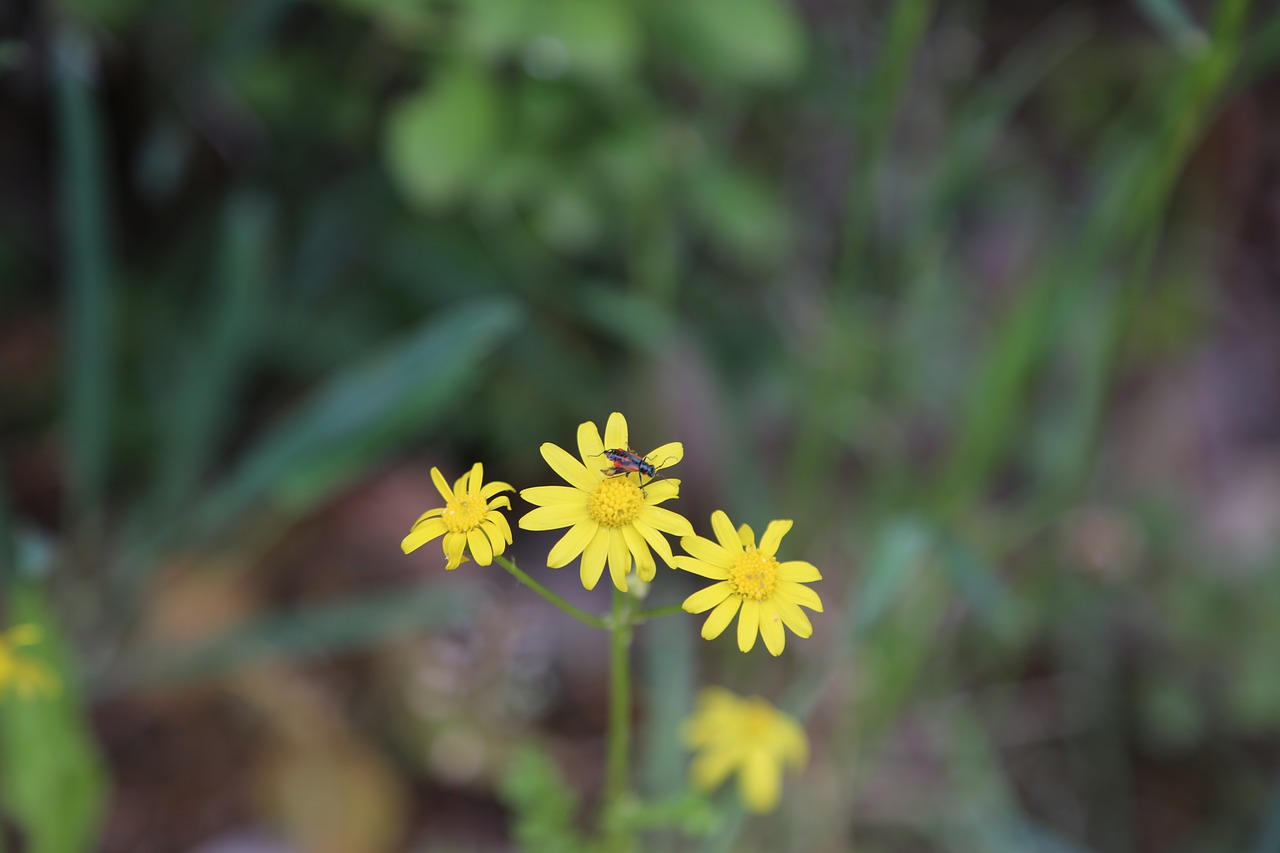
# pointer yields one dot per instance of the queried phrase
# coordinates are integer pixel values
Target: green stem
(581, 615)
(646, 615)
(617, 831)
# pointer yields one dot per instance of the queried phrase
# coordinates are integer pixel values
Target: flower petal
(590, 447)
(552, 517)
(656, 540)
(727, 536)
(666, 455)
(454, 545)
(657, 491)
(554, 495)
(699, 567)
(798, 571)
(705, 599)
(477, 479)
(773, 536)
(708, 551)
(619, 559)
(22, 635)
(665, 520)
(646, 568)
(615, 432)
(793, 617)
(431, 513)
(573, 471)
(500, 521)
(503, 502)
(721, 617)
(746, 536)
(593, 558)
(760, 782)
(422, 533)
(708, 769)
(497, 541)
(775, 639)
(748, 624)
(572, 543)
(488, 490)
(798, 594)
(441, 485)
(481, 550)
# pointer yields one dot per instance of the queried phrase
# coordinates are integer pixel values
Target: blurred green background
(984, 295)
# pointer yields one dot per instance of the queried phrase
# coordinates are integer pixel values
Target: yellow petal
(593, 560)
(656, 540)
(665, 520)
(721, 617)
(477, 479)
(497, 541)
(503, 502)
(615, 432)
(746, 536)
(573, 471)
(705, 599)
(748, 624)
(793, 617)
(657, 491)
(431, 513)
(441, 486)
(798, 571)
(727, 536)
(773, 536)
(422, 533)
(711, 768)
(698, 567)
(481, 550)
(552, 517)
(760, 783)
(619, 559)
(23, 635)
(666, 455)
(454, 546)
(572, 543)
(500, 521)
(645, 566)
(775, 639)
(496, 487)
(708, 551)
(590, 447)
(798, 594)
(554, 495)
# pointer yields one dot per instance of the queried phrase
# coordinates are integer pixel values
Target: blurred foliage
(934, 280)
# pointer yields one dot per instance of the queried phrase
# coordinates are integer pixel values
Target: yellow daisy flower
(610, 517)
(29, 678)
(730, 733)
(750, 581)
(468, 521)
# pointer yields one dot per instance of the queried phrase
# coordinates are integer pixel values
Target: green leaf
(52, 783)
(440, 140)
(741, 213)
(737, 41)
(360, 413)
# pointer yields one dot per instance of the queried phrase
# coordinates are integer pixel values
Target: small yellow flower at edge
(610, 518)
(764, 593)
(469, 520)
(730, 733)
(29, 678)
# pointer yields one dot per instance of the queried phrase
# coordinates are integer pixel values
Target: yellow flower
(29, 678)
(728, 733)
(609, 517)
(750, 580)
(469, 519)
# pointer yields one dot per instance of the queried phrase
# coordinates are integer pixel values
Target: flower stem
(577, 613)
(646, 615)
(616, 830)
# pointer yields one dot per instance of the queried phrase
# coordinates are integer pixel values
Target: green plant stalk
(617, 832)
(581, 615)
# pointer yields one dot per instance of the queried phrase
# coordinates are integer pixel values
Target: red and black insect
(627, 461)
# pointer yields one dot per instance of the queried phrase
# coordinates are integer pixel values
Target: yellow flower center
(754, 575)
(463, 513)
(615, 502)
(758, 722)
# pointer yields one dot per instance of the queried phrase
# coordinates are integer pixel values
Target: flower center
(754, 575)
(463, 513)
(615, 502)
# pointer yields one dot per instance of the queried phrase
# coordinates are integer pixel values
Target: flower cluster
(28, 677)
(612, 513)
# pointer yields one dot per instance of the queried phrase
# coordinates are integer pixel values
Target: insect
(626, 461)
